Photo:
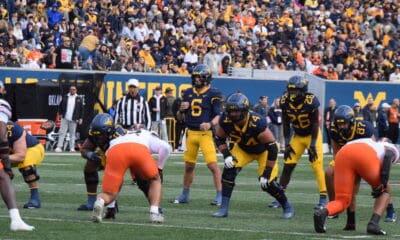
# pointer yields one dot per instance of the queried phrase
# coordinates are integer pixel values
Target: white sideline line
(312, 235)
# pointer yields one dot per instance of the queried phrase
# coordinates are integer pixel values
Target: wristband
(226, 153)
(267, 172)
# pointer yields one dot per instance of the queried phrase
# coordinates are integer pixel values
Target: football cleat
(110, 213)
(274, 204)
(157, 217)
(180, 199)
(319, 220)
(288, 211)
(20, 226)
(32, 204)
(84, 207)
(216, 202)
(373, 228)
(98, 211)
(349, 227)
(391, 217)
(221, 213)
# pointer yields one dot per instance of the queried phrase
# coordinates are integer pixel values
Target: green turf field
(63, 190)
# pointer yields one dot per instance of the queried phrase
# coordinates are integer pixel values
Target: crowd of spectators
(334, 39)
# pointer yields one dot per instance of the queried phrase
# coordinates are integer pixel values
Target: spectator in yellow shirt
(148, 58)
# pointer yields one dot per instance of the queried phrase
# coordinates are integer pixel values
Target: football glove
(312, 154)
(264, 182)
(230, 161)
(288, 151)
(376, 192)
(94, 157)
(7, 167)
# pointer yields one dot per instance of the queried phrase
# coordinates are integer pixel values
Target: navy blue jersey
(300, 115)
(360, 129)
(203, 106)
(15, 131)
(246, 137)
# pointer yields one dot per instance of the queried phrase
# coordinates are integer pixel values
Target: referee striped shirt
(132, 110)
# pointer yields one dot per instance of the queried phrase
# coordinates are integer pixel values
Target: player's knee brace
(143, 185)
(229, 176)
(274, 189)
(91, 178)
(30, 174)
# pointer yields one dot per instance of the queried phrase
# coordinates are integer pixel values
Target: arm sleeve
(162, 148)
(386, 164)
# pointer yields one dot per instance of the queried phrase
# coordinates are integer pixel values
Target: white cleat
(20, 226)
(98, 211)
(156, 217)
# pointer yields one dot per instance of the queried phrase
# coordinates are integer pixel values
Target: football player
(26, 153)
(300, 110)
(130, 151)
(252, 141)
(362, 158)
(345, 128)
(6, 188)
(200, 109)
(94, 153)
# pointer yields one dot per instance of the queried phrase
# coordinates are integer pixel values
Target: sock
(100, 200)
(154, 209)
(91, 199)
(35, 194)
(219, 195)
(14, 214)
(351, 217)
(390, 209)
(375, 218)
(185, 192)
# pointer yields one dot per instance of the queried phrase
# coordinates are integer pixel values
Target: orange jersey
(132, 151)
(362, 157)
(393, 115)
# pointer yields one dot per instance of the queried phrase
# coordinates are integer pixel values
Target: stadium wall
(113, 85)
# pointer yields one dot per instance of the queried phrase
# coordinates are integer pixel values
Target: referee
(132, 110)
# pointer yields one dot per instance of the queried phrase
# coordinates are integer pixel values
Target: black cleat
(374, 229)
(110, 213)
(349, 227)
(319, 220)
(85, 207)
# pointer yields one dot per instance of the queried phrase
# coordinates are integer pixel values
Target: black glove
(160, 172)
(376, 192)
(288, 151)
(312, 154)
(7, 167)
(94, 157)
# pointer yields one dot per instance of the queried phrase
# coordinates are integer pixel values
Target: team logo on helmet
(202, 72)
(237, 102)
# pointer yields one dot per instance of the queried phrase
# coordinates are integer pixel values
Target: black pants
(179, 130)
(393, 133)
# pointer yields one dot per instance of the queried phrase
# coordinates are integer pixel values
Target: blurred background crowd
(334, 39)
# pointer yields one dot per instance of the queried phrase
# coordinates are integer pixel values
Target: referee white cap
(133, 82)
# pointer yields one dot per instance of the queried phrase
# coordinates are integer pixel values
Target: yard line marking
(311, 235)
(56, 164)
